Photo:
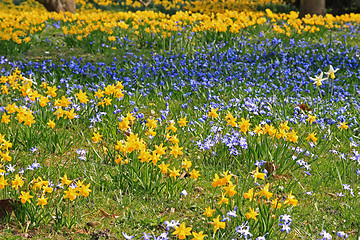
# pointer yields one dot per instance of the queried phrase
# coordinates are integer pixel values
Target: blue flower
(244, 231)
(171, 224)
(34, 149)
(146, 236)
(342, 235)
(232, 213)
(285, 228)
(262, 237)
(36, 165)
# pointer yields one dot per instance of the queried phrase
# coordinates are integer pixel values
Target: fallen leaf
(283, 176)
(82, 231)
(105, 214)
(93, 223)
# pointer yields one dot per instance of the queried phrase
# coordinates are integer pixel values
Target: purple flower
(34, 149)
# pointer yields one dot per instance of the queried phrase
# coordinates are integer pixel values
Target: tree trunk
(59, 5)
(312, 7)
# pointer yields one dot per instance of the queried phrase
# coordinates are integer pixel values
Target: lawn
(209, 120)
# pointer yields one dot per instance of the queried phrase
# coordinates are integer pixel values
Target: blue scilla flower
(36, 165)
(259, 163)
(10, 168)
(285, 219)
(30, 167)
(140, 115)
(146, 236)
(171, 224)
(342, 235)
(285, 228)
(244, 231)
(162, 236)
(325, 235)
(34, 149)
(232, 213)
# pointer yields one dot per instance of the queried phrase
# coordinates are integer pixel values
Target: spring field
(187, 120)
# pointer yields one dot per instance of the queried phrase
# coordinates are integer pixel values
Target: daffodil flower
(331, 72)
(318, 79)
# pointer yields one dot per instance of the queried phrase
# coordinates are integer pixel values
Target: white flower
(326, 236)
(318, 79)
(286, 218)
(184, 193)
(171, 224)
(331, 72)
(10, 168)
(127, 236)
(342, 234)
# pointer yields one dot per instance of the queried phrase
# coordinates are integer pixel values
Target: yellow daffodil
(257, 174)
(218, 224)
(252, 214)
(182, 231)
(25, 197)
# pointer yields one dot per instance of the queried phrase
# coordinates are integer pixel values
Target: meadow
(189, 120)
